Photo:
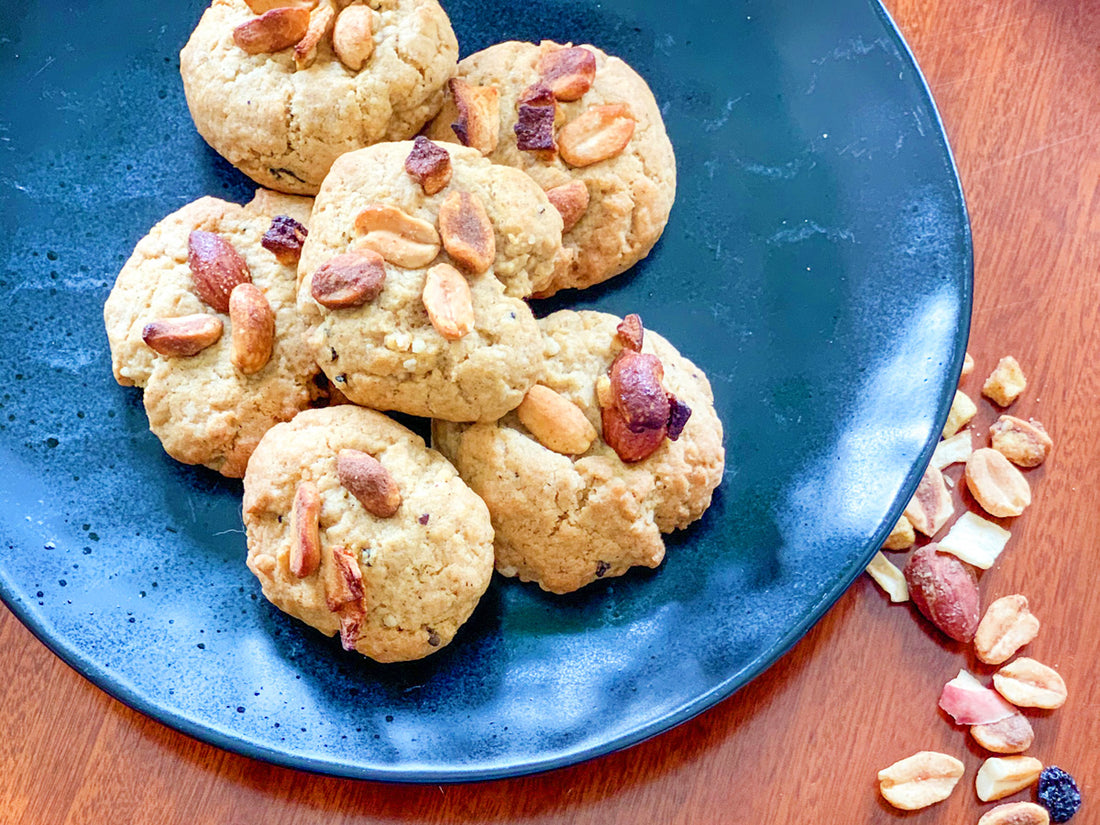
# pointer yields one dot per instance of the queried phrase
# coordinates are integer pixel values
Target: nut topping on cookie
(556, 422)
(343, 578)
(568, 72)
(305, 547)
(261, 6)
(320, 24)
(630, 332)
(571, 200)
(467, 232)
(253, 328)
(273, 30)
(448, 302)
(364, 477)
(397, 236)
(535, 126)
(216, 268)
(429, 164)
(352, 38)
(349, 280)
(478, 124)
(284, 239)
(600, 133)
(184, 336)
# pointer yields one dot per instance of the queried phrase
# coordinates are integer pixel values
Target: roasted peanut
(1007, 626)
(997, 486)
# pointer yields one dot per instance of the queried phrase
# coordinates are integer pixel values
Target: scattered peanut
(944, 590)
(931, 505)
(1025, 443)
(1005, 383)
(1000, 776)
(997, 486)
(1007, 626)
(1016, 813)
(1011, 735)
(920, 780)
(963, 410)
(1027, 683)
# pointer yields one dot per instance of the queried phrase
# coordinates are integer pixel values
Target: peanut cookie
(203, 316)
(618, 443)
(356, 527)
(282, 92)
(412, 277)
(586, 127)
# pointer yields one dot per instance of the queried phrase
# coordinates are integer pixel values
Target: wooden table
(1018, 85)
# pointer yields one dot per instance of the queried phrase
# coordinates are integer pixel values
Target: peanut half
(920, 780)
(999, 487)
(600, 133)
(478, 123)
(1024, 443)
(343, 577)
(1005, 383)
(321, 20)
(1027, 683)
(448, 302)
(397, 236)
(184, 336)
(568, 72)
(1016, 813)
(1007, 626)
(467, 232)
(261, 6)
(352, 37)
(1012, 734)
(349, 280)
(365, 477)
(1000, 776)
(305, 548)
(931, 506)
(273, 31)
(556, 422)
(216, 268)
(571, 201)
(253, 328)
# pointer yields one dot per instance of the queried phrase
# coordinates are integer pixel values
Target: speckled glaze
(817, 265)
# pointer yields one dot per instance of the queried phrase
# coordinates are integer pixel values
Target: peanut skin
(945, 590)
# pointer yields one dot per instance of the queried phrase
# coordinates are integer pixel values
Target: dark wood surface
(1017, 83)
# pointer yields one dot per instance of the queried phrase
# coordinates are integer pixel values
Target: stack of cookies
(421, 202)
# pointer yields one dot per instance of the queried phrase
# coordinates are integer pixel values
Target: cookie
(282, 94)
(595, 139)
(567, 508)
(355, 527)
(215, 378)
(412, 284)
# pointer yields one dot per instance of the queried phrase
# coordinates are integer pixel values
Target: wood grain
(1017, 83)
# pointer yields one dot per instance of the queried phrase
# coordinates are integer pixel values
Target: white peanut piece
(305, 548)
(398, 237)
(1027, 683)
(556, 422)
(1000, 776)
(600, 133)
(352, 37)
(999, 487)
(920, 780)
(1007, 626)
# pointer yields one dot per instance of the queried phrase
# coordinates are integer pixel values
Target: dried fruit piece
(216, 268)
(1005, 383)
(944, 590)
(600, 133)
(1027, 683)
(1013, 734)
(448, 301)
(273, 30)
(478, 123)
(1016, 813)
(252, 328)
(999, 487)
(349, 280)
(1000, 776)
(397, 236)
(568, 72)
(962, 411)
(1058, 793)
(305, 547)
(678, 415)
(630, 332)
(920, 780)
(534, 127)
(901, 535)
(556, 422)
(975, 540)
(342, 576)
(889, 578)
(352, 37)
(1025, 443)
(571, 201)
(320, 24)
(931, 505)
(284, 239)
(429, 164)
(953, 450)
(969, 702)
(1007, 626)
(184, 336)
(365, 477)
(466, 232)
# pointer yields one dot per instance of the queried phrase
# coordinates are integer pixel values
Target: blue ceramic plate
(817, 265)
